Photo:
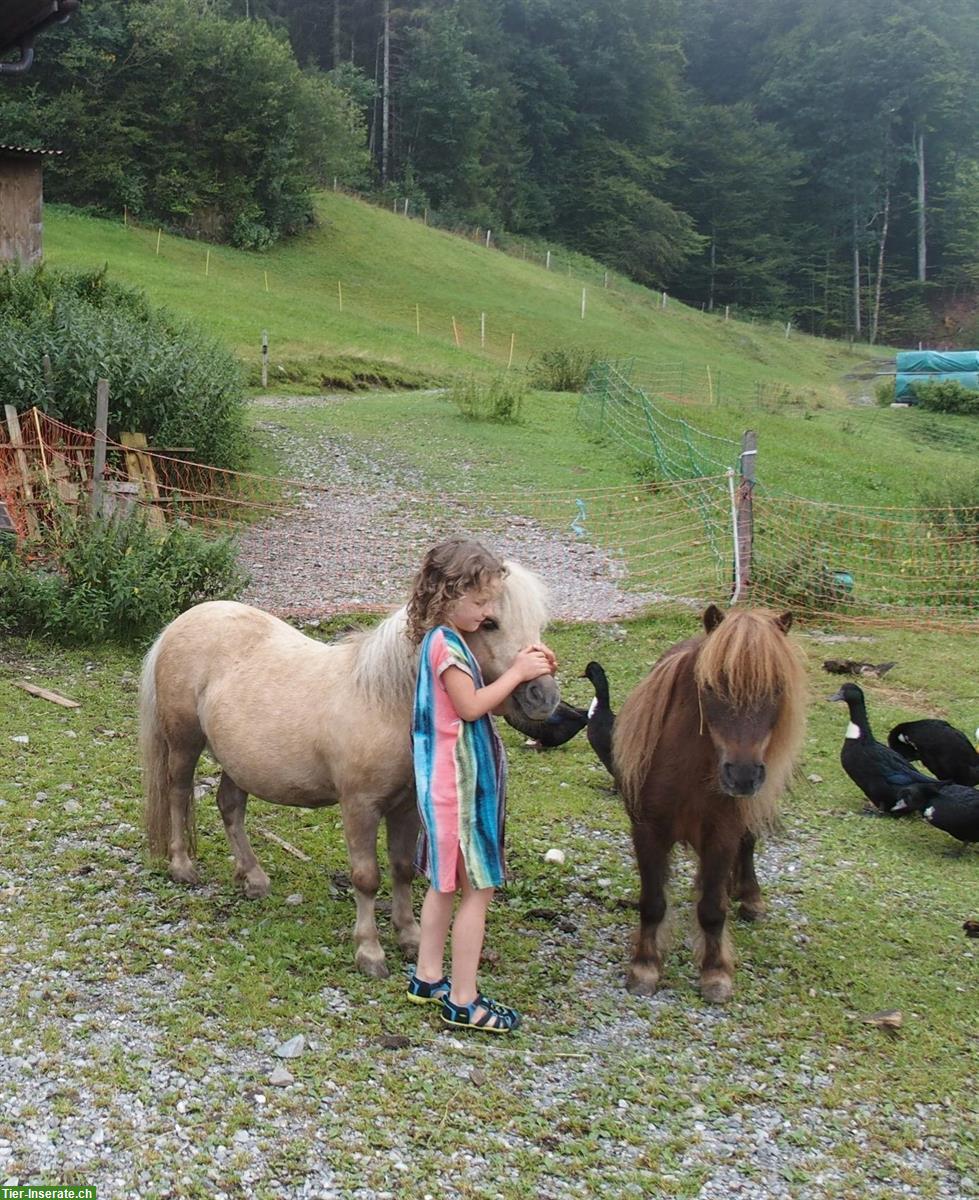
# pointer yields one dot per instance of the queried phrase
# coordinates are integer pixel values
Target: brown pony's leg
(652, 848)
(716, 956)
(402, 825)
(360, 822)
(744, 881)
(181, 761)
(232, 801)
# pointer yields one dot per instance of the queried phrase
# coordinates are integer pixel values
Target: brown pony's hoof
(752, 912)
(642, 980)
(716, 988)
(371, 965)
(184, 873)
(408, 940)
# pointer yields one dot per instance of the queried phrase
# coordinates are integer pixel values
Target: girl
(460, 773)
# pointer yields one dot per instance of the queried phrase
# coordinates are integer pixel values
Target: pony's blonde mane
(385, 661)
(748, 659)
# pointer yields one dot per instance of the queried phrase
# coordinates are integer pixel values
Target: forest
(817, 163)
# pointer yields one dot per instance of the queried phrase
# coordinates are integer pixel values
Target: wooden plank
(45, 694)
(17, 441)
(139, 467)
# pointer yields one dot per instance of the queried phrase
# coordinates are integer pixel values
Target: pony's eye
(489, 623)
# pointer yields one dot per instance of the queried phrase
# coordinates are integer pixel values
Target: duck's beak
(837, 696)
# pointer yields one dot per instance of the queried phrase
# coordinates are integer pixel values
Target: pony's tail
(153, 755)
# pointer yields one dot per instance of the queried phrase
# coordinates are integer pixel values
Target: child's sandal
(495, 1018)
(420, 991)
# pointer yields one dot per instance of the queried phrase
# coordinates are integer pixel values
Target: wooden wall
(20, 209)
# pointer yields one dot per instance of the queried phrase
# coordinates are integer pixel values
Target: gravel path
(358, 535)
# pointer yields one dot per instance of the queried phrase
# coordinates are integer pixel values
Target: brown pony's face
(740, 737)
(741, 730)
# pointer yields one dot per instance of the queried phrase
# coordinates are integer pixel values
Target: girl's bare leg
(436, 917)
(468, 930)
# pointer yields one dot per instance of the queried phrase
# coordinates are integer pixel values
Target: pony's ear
(712, 618)
(784, 621)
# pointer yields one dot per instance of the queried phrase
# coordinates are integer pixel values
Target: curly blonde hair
(449, 570)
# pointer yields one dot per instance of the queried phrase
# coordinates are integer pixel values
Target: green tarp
(905, 382)
(937, 362)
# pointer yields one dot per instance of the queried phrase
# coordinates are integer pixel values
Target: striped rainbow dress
(460, 774)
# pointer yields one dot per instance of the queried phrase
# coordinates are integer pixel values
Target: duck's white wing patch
(592, 707)
(852, 731)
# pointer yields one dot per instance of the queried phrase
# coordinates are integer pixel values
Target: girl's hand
(548, 654)
(531, 662)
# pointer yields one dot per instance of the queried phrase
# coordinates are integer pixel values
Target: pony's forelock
(747, 658)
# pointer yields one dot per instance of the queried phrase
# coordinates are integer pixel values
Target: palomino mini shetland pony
(703, 748)
(295, 721)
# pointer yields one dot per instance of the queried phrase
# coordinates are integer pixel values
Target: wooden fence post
(265, 358)
(17, 441)
(745, 517)
(101, 434)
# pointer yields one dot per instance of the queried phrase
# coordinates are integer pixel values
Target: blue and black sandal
(495, 1018)
(422, 992)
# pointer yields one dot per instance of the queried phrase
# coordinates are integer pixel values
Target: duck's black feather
(955, 809)
(560, 727)
(601, 718)
(888, 781)
(943, 749)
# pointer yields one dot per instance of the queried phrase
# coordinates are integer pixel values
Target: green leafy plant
(500, 400)
(166, 378)
(806, 582)
(952, 505)
(83, 579)
(562, 369)
(947, 396)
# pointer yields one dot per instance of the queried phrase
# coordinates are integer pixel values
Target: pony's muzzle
(742, 779)
(538, 698)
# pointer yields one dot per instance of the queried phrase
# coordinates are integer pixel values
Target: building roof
(21, 21)
(26, 152)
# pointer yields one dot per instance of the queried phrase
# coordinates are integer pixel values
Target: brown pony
(299, 722)
(703, 748)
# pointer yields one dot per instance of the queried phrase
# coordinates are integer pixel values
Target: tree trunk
(386, 94)
(713, 268)
(875, 317)
(336, 33)
(922, 241)
(856, 274)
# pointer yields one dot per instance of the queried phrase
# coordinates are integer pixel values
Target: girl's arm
(471, 702)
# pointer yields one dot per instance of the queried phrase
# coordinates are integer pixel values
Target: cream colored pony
(295, 721)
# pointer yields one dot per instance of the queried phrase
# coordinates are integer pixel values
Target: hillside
(386, 265)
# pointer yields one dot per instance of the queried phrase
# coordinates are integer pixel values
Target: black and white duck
(943, 749)
(601, 718)
(560, 727)
(887, 779)
(953, 808)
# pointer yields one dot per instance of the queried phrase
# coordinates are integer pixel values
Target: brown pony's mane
(748, 659)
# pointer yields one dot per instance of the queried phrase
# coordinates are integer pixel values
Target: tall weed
(501, 400)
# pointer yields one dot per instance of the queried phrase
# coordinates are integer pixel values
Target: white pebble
(554, 856)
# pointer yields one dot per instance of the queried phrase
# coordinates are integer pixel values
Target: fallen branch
(44, 694)
(273, 837)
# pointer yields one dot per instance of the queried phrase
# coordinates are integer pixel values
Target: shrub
(84, 580)
(500, 400)
(166, 379)
(805, 583)
(563, 369)
(947, 396)
(952, 505)
(884, 392)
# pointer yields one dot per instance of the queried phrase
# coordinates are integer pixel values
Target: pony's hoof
(184, 873)
(371, 965)
(257, 883)
(642, 981)
(408, 940)
(752, 912)
(716, 989)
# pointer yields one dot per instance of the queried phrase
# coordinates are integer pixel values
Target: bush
(884, 392)
(952, 505)
(166, 379)
(86, 580)
(946, 396)
(500, 400)
(805, 583)
(564, 369)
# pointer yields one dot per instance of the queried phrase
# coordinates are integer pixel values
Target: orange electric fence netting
(317, 548)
